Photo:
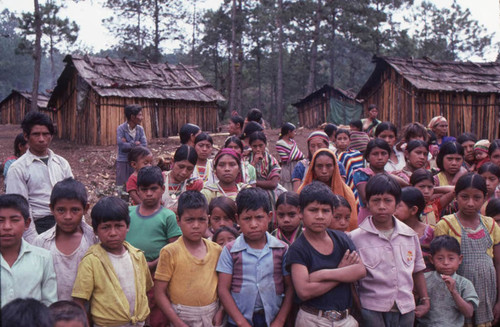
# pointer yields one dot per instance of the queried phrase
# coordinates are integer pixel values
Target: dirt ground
(94, 166)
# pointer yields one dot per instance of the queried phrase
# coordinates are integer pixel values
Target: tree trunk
(193, 42)
(332, 47)
(239, 70)
(232, 94)
(279, 78)
(157, 55)
(37, 55)
(259, 76)
(311, 82)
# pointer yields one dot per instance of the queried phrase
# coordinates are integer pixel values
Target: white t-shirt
(124, 270)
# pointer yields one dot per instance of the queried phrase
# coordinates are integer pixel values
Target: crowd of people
(364, 227)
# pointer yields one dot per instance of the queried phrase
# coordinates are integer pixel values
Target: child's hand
(218, 318)
(350, 258)
(450, 283)
(422, 309)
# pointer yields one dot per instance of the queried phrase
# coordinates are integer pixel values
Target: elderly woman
(439, 126)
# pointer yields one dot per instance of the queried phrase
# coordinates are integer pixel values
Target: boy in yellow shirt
(186, 269)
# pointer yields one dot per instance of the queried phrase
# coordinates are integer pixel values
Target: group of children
(214, 250)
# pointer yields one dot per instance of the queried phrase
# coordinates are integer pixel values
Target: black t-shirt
(301, 252)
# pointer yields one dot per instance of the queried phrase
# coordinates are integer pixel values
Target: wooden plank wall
(400, 103)
(14, 109)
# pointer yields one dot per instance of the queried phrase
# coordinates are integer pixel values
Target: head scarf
(338, 186)
(317, 134)
(232, 153)
(435, 121)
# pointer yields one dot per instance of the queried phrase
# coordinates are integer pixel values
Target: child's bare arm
(350, 260)
(447, 196)
(135, 197)
(152, 264)
(224, 291)
(361, 191)
(163, 302)
(286, 306)
(466, 308)
(218, 317)
(305, 288)
(421, 288)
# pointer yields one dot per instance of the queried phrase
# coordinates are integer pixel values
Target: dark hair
(451, 147)
(413, 130)
(357, 123)
(330, 129)
(186, 131)
(137, 152)
(325, 154)
(69, 189)
(150, 175)
(471, 180)
(233, 139)
(386, 126)
(203, 137)
(225, 204)
(16, 202)
(491, 168)
(412, 196)
(250, 128)
(343, 131)
(431, 137)
(493, 146)
(238, 120)
(191, 200)
(109, 208)
(26, 313)
(315, 192)
(33, 118)
(290, 198)
(132, 110)
(19, 140)
(464, 137)
(257, 136)
(286, 128)
(372, 106)
(67, 311)
(224, 229)
(445, 242)
(253, 198)
(382, 184)
(419, 175)
(255, 115)
(414, 144)
(186, 152)
(376, 143)
(493, 208)
(340, 201)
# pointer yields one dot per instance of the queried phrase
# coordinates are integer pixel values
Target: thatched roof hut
(408, 90)
(91, 93)
(328, 104)
(15, 106)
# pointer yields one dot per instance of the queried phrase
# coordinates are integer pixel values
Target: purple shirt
(390, 265)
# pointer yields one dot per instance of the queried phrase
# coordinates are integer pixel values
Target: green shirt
(151, 233)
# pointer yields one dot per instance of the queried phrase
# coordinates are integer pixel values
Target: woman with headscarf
(325, 168)
(439, 126)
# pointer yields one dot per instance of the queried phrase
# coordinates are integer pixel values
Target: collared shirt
(66, 265)
(33, 179)
(31, 275)
(390, 265)
(97, 281)
(255, 273)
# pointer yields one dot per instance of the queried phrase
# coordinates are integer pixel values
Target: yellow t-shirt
(97, 282)
(191, 281)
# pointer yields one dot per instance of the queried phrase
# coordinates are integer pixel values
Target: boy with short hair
(185, 278)
(70, 238)
(105, 273)
(323, 263)
(254, 286)
(391, 253)
(453, 297)
(68, 314)
(26, 270)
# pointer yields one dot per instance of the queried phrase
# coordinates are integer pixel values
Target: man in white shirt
(36, 172)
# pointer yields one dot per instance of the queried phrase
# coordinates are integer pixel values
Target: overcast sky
(88, 14)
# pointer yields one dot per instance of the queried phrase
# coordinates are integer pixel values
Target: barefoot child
(138, 157)
(479, 238)
(452, 296)
(26, 270)
(254, 287)
(185, 279)
(70, 238)
(113, 275)
(287, 217)
(391, 253)
(323, 263)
